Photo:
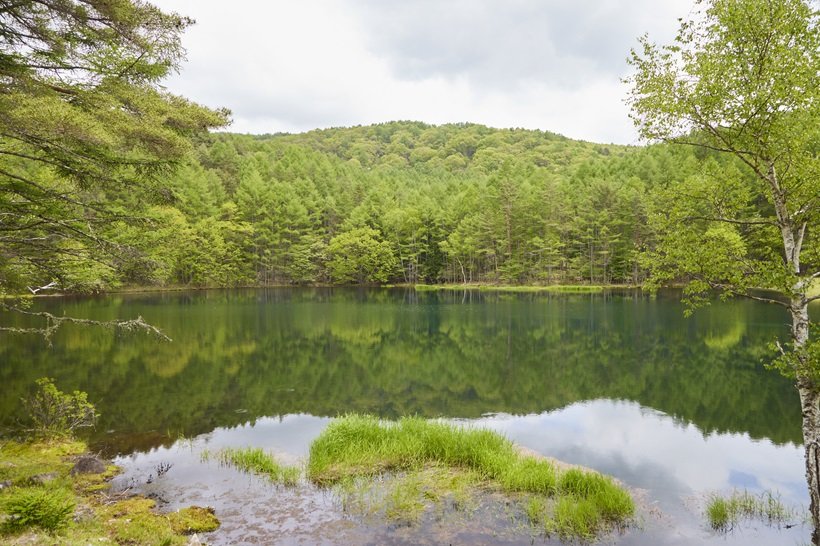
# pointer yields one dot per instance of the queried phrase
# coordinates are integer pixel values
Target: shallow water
(675, 408)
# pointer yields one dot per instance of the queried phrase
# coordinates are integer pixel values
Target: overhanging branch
(54, 322)
(733, 221)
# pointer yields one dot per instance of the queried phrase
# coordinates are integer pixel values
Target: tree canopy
(743, 79)
(87, 135)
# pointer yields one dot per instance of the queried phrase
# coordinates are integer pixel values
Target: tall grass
(581, 503)
(256, 461)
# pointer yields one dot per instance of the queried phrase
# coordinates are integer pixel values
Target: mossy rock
(194, 519)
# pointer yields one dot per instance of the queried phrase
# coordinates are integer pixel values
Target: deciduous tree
(743, 78)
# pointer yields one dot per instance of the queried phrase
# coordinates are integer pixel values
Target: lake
(676, 408)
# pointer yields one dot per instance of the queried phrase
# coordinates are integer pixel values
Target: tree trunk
(810, 408)
(810, 405)
(807, 387)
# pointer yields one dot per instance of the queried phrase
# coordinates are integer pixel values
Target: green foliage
(512, 207)
(88, 135)
(134, 521)
(43, 514)
(718, 513)
(49, 508)
(530, 475)
(575, 517)
(741, 80)
(801, 361)
(57, 414)
(360, 256)
(21, 461)
(404, 497)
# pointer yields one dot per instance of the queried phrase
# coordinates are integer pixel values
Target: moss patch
(20, 461)
(194, 519)
(133, 521)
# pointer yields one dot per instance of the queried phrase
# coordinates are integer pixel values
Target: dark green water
(617, 381)
(238, 355)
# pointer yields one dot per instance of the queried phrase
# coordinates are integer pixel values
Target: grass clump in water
(572, 503)
(724, 512)
(256, 461)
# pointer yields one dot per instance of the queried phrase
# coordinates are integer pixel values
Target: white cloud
(295, 66)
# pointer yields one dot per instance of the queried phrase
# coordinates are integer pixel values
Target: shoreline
(813, 290)
(419, 287)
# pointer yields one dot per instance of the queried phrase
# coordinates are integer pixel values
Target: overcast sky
(296, 65)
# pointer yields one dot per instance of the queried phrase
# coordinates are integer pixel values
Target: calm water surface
(675, 408)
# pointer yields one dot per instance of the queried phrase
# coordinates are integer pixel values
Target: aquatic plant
(256, 461)
(574, 503)
(726, 511)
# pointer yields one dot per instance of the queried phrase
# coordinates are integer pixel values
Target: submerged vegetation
(574, 502)
(724, 512)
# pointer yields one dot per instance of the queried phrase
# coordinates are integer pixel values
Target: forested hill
(394, 202)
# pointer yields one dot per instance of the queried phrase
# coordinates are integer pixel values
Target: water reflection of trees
(238, 355)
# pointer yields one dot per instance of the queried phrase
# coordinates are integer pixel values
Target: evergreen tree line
(400, 202)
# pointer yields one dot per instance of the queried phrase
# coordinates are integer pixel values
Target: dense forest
(400, 202)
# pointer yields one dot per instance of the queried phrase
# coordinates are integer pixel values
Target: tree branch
(743, 294)
(54, 322)
(732, 221)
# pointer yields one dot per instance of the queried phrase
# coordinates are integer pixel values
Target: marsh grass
(256, 461)
(725, 512)
(557, 288)
(571, 503)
